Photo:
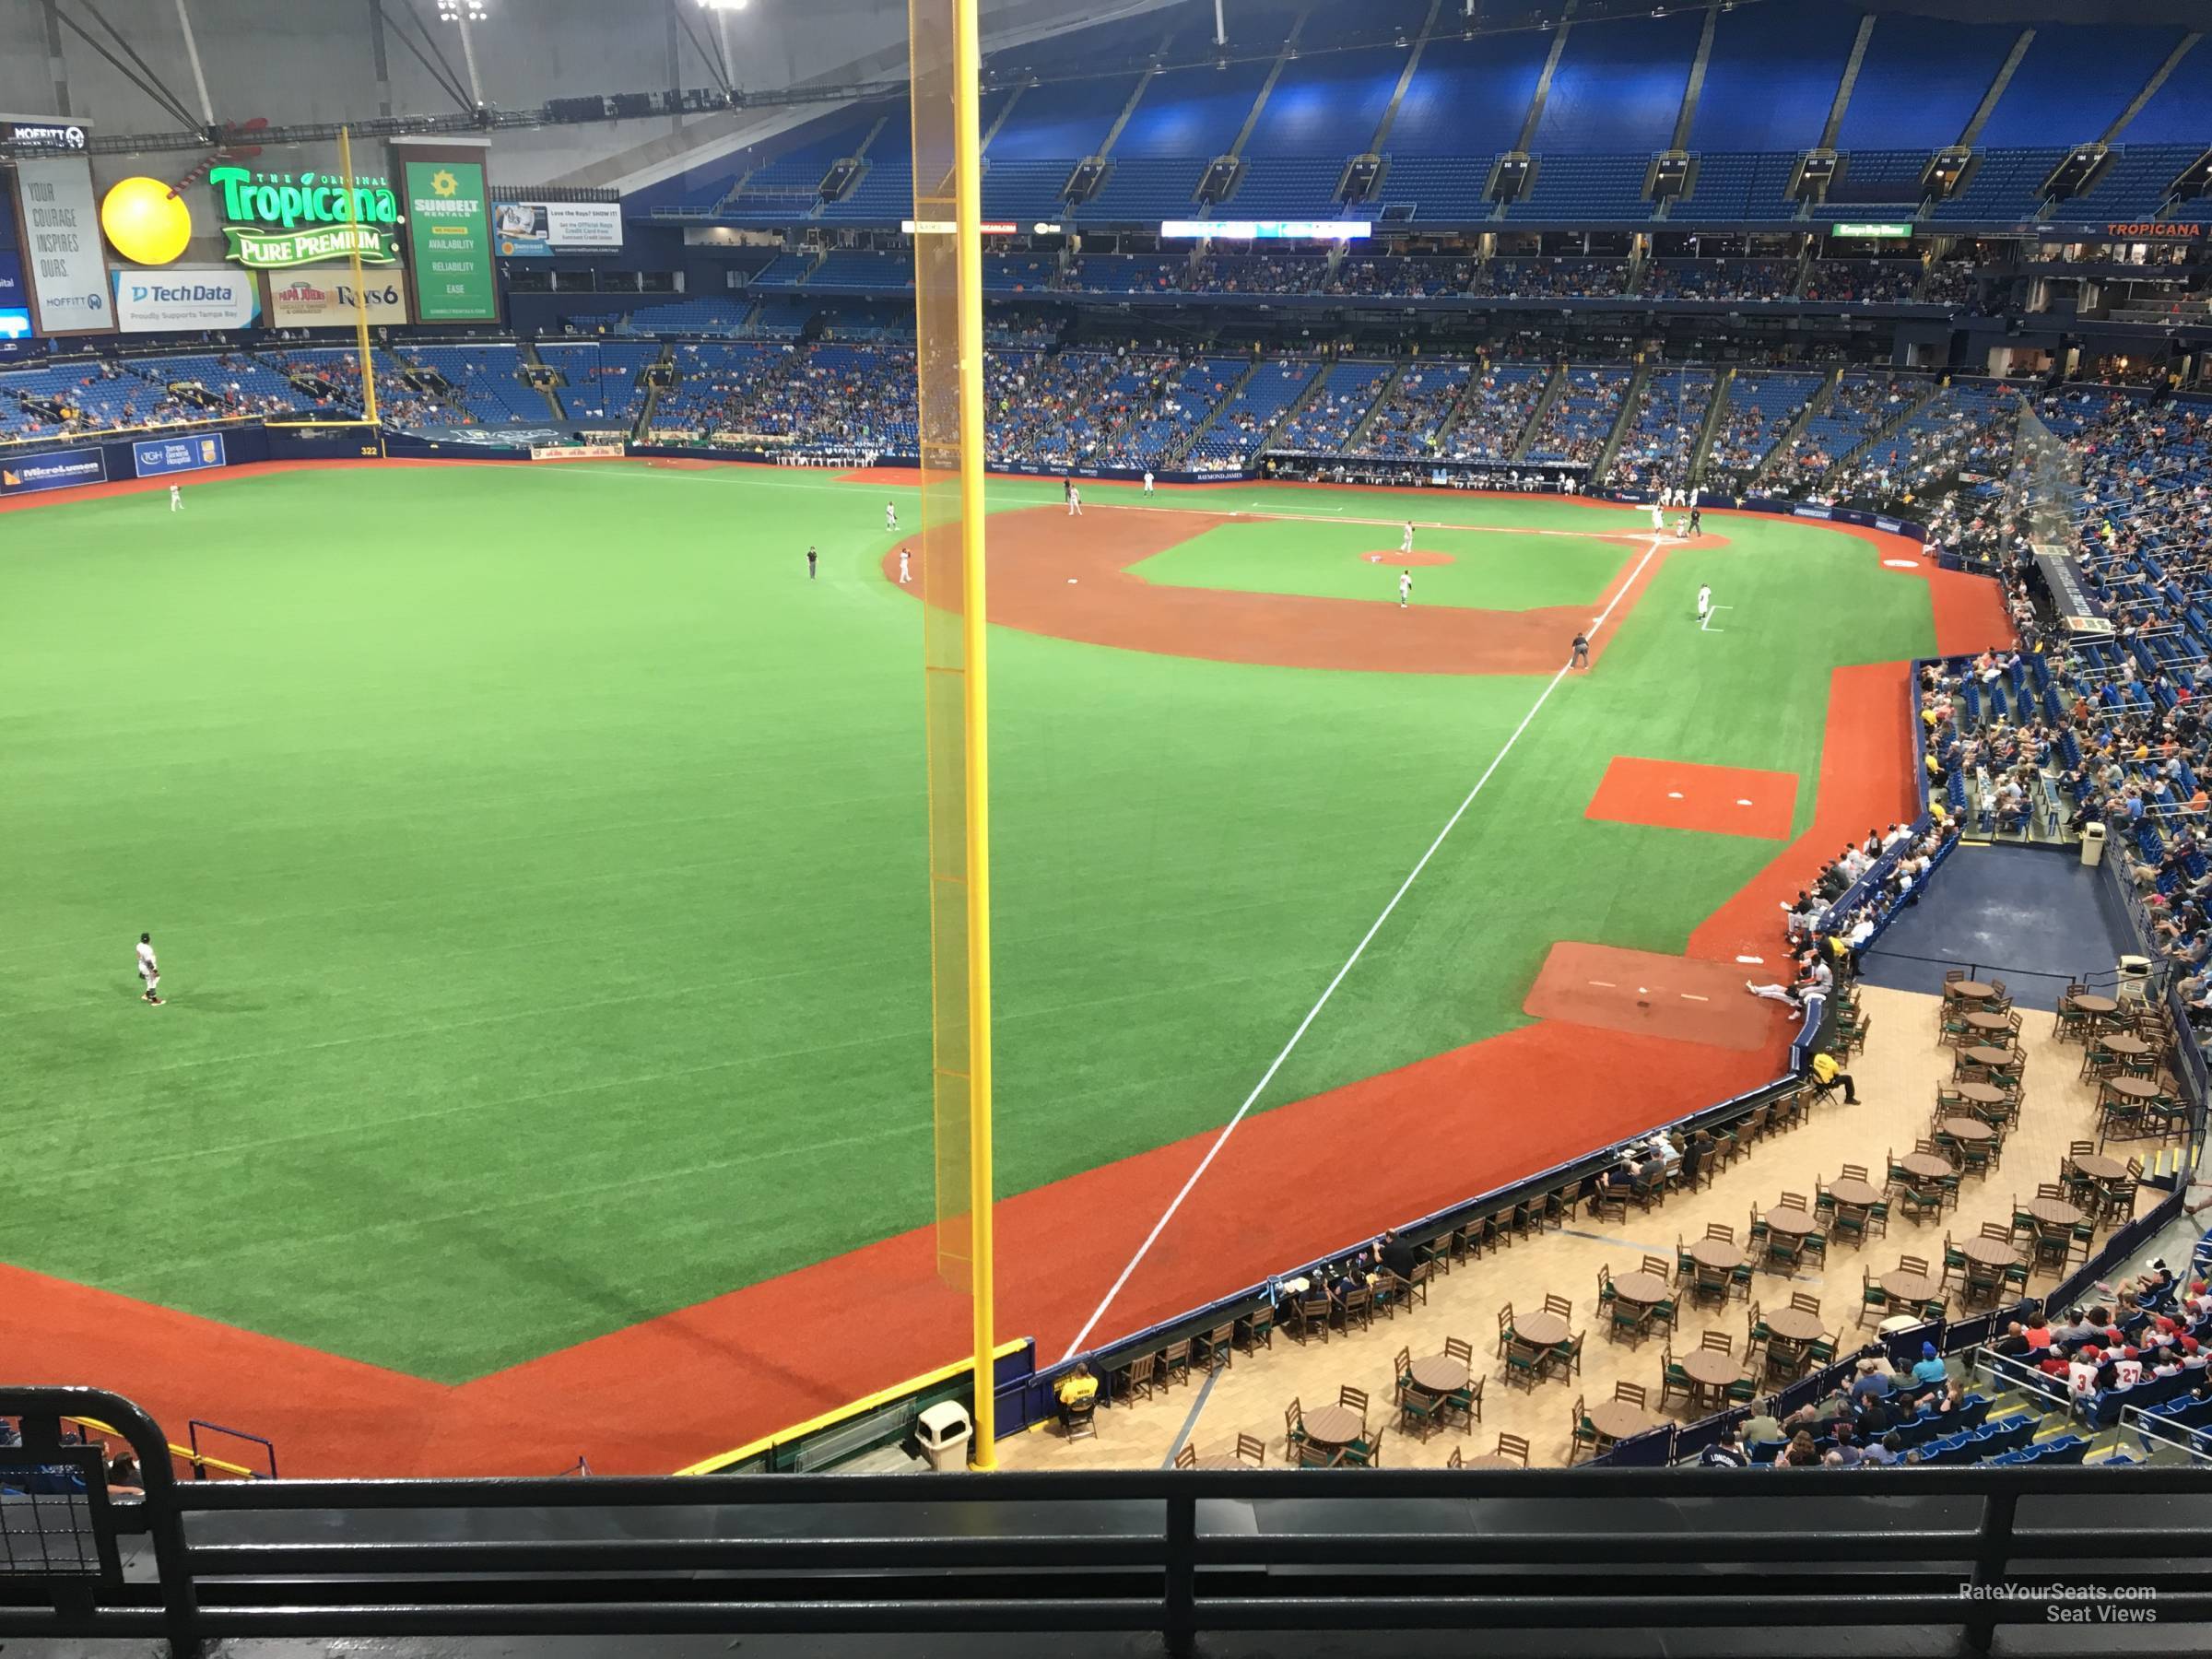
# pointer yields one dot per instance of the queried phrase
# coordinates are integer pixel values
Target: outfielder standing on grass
(810, 559)
(890, 515)
(1704, 603)
(150, 970)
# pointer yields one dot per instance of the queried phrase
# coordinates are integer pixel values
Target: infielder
(890, 516)
(1406, 541)
(150, 970)
(1704, 603)
(1404, 588)
(1147, 480)
(905, 573)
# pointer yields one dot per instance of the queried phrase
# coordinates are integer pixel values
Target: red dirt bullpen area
(1681, 794)
(1288, 1186)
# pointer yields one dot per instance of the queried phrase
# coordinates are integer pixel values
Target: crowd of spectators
(1415, 410)
(1742, 279)
(1862, 281)
(1860, 405)
(1497, 404)
(1551, 280)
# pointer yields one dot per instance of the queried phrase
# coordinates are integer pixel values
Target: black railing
(1173, 1553)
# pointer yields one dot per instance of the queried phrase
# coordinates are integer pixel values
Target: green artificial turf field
(537, 862)
(1330, 561)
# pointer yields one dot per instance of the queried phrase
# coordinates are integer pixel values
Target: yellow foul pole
(968, 193)
(360, 293)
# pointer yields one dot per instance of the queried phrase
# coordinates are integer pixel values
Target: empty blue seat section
(1469, 98)
(1147, 189)
(2136, 182)
(1618, 86)
(886, 190)
(2179, 111)
(2074, 82)
(2006, 185)
(1447, 188)
(1078, 51)
(1195, 112)
(1770, 77)
(1876, 179)
(1328, 104)
(1290, 187)
(1063, 120)
(782, 271)
(698, 187)
(1587, 187)
(1020, 190)
(1739, 186)
(859, 268)
(799, 167)
(1349, 25)
(1921, 81)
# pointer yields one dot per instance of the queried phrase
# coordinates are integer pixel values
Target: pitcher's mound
(1652, 995)
(1407, 560)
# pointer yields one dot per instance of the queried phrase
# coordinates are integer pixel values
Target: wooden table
(1795, 1222)
(1904, 1287)
(1980, 1053)
(1439, 1374)
(2096, 1008)
(1618, 1420)
(1718, 1254)
(1969, 991)
(1990, 1022)
(2126, 1045)
(1990, 1252)
(1544, 1330)
(2055, 1212)
(1223, 1459)
(1925, 1165)
(1334, 1426)
(1851, 1190)
(1980, 1094)
(1640, 1290)
(2132, 1089)
(2098, 1166)
(1491, 1460)
(1967, 1129)
(1791, 1324)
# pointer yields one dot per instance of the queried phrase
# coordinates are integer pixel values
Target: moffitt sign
(273, 220)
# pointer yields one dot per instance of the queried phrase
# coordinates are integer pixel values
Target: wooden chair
(1581, 1433)
(1217, 1349)
(1560, 1305)
(1459, 1349)
(1465, 1402)
(1257, 1330)
(1137, 1379)
(1655, 1266)
(1188, 1458)
(1294, 1423)
(1401, 1370)
(1250, 1449)
(1358, 1308)
(1418, 1411)
(1805, 1301)
(1082, 1420)
(1176, 1364)
(1456, 1461)
(1514, 1446)
(1855, 1172)
(1717, 1342)
(1505, 1328)
(1353, 1399)
(1674, 1379)
(1566, 1356)
(1308, 1454)
(1365, 1454)
(1313, 1311)
(1720, 1230)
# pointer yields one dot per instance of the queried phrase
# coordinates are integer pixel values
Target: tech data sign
(275, 220)
(185, 298)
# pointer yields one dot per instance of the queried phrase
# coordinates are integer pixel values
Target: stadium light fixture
(725, 6)
(464, 11)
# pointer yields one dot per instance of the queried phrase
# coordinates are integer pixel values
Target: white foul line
(1349, 962)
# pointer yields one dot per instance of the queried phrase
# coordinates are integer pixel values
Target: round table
(1222, 1460)
(1991, 1252)
(2126, 1045)
(1491, 1460)
(1897, 1322)
(1618, 1420)
(1925, 1165)
(1851, 1190)
(1640, 1290)
(1967, 1129)
(1793, 1325)
(2097, 1007)
(1980, 1094)
(1335, 1425)
(1990, 1022)
(1906, 1286)
(1439, 1374)
(1711, 1367)
(2098, 1166)
(1795, 1222)
(2055, 1212)
(1718, 1254)
(2132, 1089)
(1982, 1054)
(1545, 1330)
(1969, 991)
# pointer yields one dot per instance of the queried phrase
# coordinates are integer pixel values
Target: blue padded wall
(1469, 98)
(1192, 112)
(1771, 77)
(1067, 118)
(2074, 83)
(1618, 86)
(2181, 110)
(1921, 81)
(1328, 104)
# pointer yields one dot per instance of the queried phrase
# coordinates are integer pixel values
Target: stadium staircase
(1716, 412)
(1787, 438)
(1383, 394)
(1182, 451)
(1103, 156)
(1622, 421)
(1235, 153)
(1552, 389)
(1458, 411)
(1294, 409)
(642, 431)
(999, 120)
(1881, 434)
(549, 376)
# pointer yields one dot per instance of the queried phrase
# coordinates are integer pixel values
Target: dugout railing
(1880, 1553)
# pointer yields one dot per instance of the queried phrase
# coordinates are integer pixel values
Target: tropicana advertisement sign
(275, 220)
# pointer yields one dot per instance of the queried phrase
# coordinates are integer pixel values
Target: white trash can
(2092, 844)
(945, 1432)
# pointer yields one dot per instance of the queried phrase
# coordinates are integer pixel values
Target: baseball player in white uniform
(905, 571)
(150, 970)
(176, 498)
(890, 515)
(1147, 480)
(1406, 541)
(1404, 588)
(1704, 603)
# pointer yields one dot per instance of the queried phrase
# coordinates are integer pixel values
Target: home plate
(1650, 994)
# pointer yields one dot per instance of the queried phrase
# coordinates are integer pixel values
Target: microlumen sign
(275, 220)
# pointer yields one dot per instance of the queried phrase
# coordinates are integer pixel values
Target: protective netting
(2044, 493)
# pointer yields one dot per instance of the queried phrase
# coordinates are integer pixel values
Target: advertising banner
(576, 451)
(195, 453)
(61, 245)
(540, 230)
(448, 233)
(322, 297)
(59, 470)
(185, 297)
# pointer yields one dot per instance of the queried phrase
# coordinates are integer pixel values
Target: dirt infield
(1649, 995)
(1682, 794)
(1070, 578)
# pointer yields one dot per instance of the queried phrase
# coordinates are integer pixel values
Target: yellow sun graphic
(443, 183)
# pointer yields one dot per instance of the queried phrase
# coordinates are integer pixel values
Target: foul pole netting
(948, 357)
